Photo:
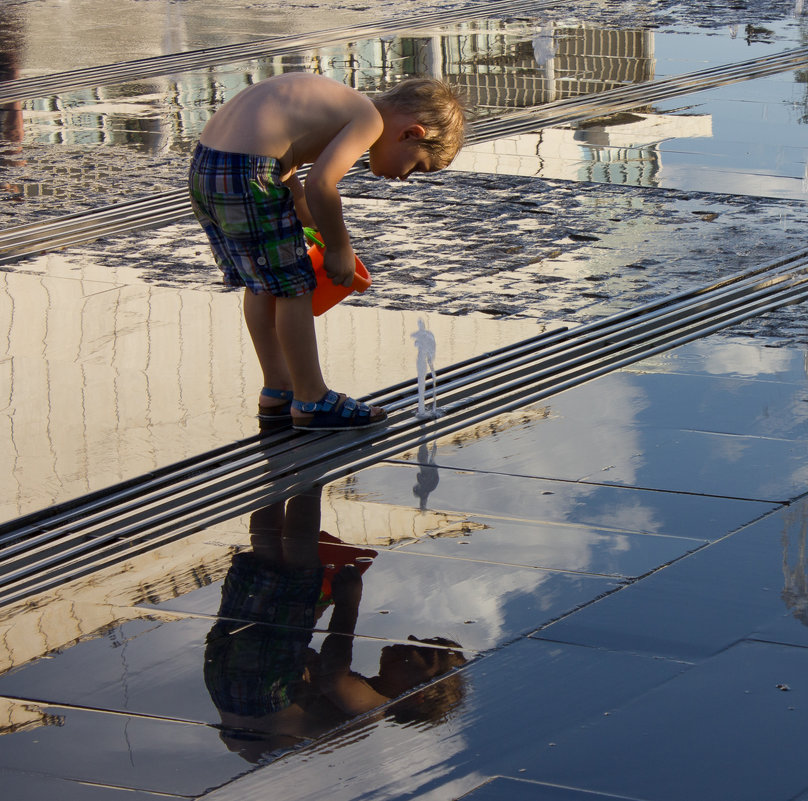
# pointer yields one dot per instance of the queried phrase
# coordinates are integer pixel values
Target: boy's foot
(335, 412)
(275, 404)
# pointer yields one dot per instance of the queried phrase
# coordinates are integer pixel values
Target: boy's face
(397, 155)
(405, 666)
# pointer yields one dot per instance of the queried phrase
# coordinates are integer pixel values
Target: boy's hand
(339, 265)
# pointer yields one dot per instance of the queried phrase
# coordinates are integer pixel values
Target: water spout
(425, 363)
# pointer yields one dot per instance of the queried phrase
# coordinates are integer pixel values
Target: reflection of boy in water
(273, 691)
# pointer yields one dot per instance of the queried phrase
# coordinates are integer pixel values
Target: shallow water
(746, 138)
(543, 548)
(613, 564)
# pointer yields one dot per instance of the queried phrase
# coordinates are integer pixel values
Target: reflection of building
(795, 563)
(621, 149)
(501, 66)
(108, 377)
(17, 716)
(502, 70)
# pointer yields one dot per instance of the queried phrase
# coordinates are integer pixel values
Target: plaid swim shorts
(249, 217)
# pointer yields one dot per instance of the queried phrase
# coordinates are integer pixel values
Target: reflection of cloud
(601, 427)
(429, 753)
(741, 359)
(426, 595)
(731, 449)
(628, 517)
(398, 778)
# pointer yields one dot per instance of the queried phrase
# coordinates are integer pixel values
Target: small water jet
(425, 363)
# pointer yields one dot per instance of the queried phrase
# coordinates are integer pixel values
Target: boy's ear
(414, 131)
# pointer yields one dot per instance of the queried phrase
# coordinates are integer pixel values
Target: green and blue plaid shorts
(250, 220)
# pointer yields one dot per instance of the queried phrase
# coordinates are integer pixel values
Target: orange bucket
(325, 294)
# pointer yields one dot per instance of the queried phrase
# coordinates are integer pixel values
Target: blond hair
(437, 106)
(435, 702)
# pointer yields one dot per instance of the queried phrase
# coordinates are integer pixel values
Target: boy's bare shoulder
(304, 88)
(292, 117)
(320, 111)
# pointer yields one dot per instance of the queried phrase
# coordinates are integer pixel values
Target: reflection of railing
(47, 548)
(25, 88)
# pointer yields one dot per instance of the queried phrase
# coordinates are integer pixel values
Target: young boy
(246, 194)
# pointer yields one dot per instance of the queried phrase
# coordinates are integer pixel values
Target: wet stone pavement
(613, 579)
(598, 595)
(533, 249)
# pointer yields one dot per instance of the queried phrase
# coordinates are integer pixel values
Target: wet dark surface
(571, 719)
(710, 615)
(512, 495)
(562, 686)
(37, 785)
(695, 450)
(580, 613)
(608, 588)
(128, 752)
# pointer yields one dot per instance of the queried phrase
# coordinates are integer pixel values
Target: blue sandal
(279, 412)
(336, 413)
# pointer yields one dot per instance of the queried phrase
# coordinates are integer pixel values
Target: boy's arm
(347, 691)
(299, 197)
(323, 197)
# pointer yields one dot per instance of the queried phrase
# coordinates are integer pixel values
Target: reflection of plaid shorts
(255, 669)
(249, 217)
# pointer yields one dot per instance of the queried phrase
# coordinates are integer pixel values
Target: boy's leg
(301, 532)
(259, 314)
(283, 333)
(298, 341)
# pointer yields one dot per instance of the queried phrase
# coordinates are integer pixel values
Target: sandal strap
(350, 407)
(282, 394)
(353, 408)
(325, 404)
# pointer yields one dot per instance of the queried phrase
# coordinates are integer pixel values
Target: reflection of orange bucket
(334, 554)
(326, 294)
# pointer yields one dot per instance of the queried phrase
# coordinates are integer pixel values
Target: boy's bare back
(296, 118)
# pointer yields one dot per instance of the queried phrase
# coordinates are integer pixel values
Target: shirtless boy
(247, 195)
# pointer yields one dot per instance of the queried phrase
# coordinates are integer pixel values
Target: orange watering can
(326, 294)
